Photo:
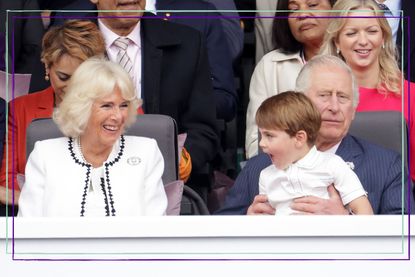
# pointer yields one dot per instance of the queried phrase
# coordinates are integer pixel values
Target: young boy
(289, 124)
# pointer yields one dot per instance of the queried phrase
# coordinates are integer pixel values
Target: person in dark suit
(171, 72)
(219, 57)
(330, 84)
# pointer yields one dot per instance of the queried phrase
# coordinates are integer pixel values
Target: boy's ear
(301, 138)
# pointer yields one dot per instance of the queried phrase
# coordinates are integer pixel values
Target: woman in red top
(364, 41)
(64, 48)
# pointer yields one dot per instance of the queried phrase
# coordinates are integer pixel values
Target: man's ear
(301, 138)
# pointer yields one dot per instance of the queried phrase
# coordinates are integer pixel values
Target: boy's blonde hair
(290, 112)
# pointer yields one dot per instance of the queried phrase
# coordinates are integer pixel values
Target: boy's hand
(260, 206)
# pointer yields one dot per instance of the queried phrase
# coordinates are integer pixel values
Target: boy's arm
(360, 206)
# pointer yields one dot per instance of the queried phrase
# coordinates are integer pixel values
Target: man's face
(331, 91)
(119, 25)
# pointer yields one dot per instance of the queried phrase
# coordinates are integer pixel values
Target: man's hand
(316, 205)
(260, 206)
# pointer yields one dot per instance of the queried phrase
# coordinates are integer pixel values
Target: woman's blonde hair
(390, 78)
(79, 39)
(93, 79)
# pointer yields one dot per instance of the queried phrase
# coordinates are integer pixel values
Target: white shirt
(133, 50)
(57, 177)
(309, 176)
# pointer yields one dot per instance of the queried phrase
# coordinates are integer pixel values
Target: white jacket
(55, 182)
(275, 73)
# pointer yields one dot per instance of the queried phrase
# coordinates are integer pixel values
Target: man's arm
(199, 119)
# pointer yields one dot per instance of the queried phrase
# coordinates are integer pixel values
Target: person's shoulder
(137, 141)
(373, 149)
(32, 98)
(151, 23)
(53, 144)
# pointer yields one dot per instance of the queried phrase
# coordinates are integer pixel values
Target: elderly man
(330, 84)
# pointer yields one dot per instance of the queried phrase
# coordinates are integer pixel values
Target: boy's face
(279, 146)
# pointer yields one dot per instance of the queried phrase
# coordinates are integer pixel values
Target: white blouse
(60, 183)
(311, 175)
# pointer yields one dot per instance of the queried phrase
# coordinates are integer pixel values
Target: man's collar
(110, 36)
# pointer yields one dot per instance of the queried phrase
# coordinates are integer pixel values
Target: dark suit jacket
(408, 7)
(219, 56)
(176, 82)
(379, 171)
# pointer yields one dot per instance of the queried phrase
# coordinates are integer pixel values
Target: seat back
(381, 127)
(160, 127)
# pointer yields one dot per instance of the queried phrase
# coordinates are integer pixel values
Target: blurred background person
(366, 45)
(95, 170)
(297, 39)
(64, 49)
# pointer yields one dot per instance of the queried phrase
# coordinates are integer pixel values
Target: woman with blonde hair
(95, 170)
(362, 37)
(64, 48)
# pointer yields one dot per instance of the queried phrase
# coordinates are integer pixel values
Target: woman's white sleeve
(31, 201)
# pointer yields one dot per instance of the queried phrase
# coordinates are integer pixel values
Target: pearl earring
(46, 76)
(338, 51)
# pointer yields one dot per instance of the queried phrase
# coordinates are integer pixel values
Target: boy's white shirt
(311, 175)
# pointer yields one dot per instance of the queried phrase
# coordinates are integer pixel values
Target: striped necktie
(122, 57)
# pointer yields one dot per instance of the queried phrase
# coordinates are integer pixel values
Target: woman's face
(107, 120)
(308, 30)
(360, 41)
(60, 72)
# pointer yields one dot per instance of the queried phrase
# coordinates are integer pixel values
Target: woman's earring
(383, 46)
(46, 76)
(338, 51)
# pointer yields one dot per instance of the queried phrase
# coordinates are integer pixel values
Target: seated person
(64, 48)
(289, 124)
(331, 86)
(95, 170)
